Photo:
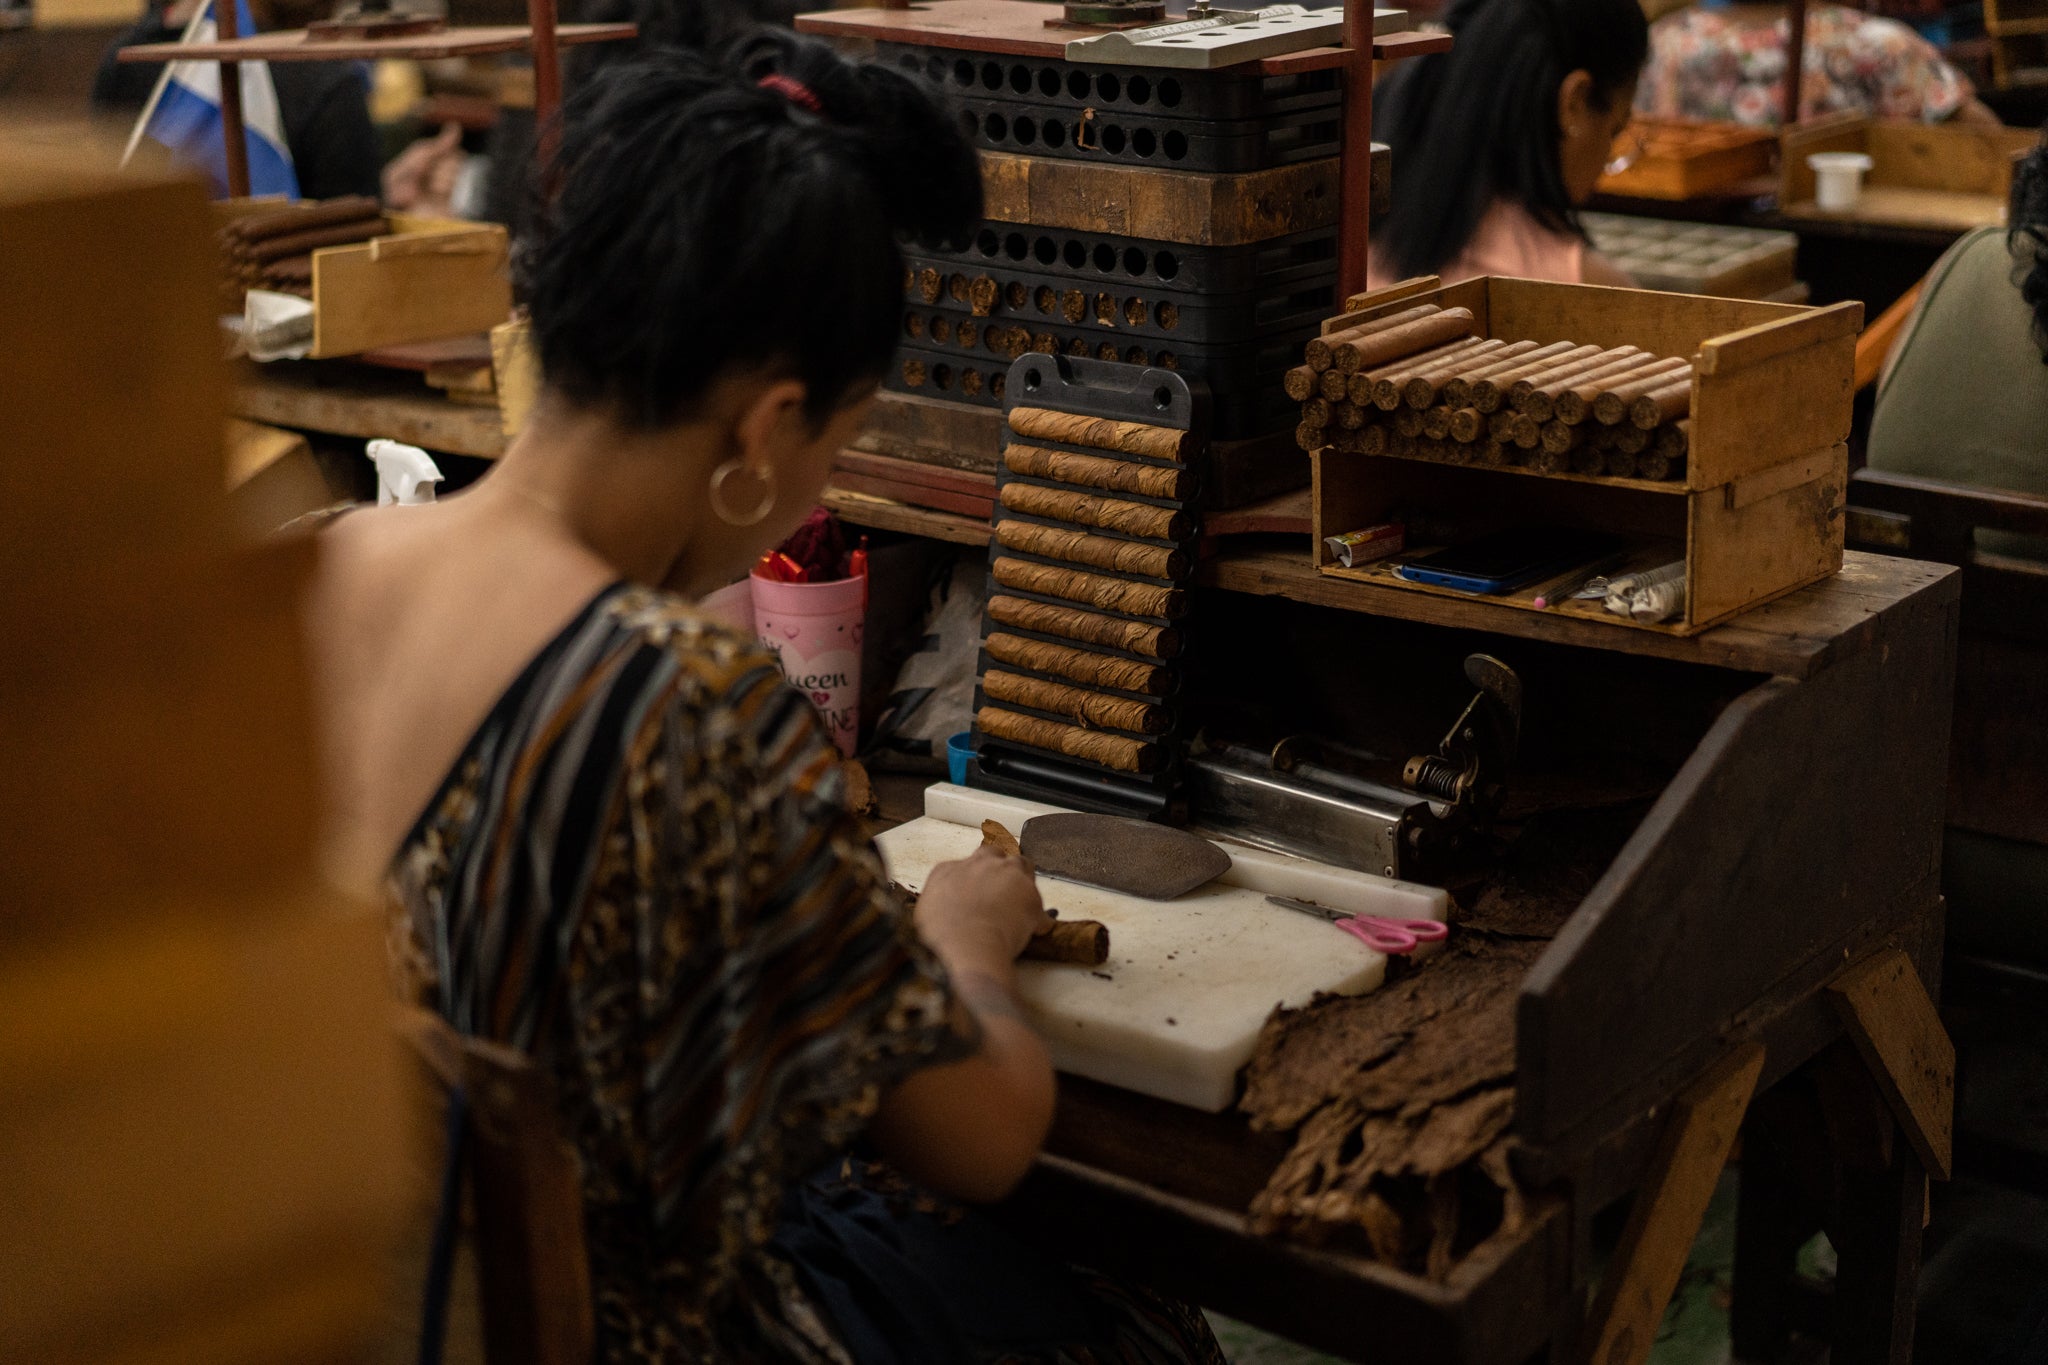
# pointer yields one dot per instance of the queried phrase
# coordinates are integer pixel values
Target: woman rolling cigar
(1498, 141)
(621, 840)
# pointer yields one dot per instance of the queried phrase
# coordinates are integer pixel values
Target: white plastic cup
(817, 629)
(1838, 179)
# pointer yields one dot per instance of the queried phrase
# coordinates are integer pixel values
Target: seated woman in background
(614, 836)
(1498, 141)
(1964, 397)
(1727, 63)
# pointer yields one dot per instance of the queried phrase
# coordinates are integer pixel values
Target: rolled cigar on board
(1111, 751)
(1424, 389)
(1490, 393)
(1128, 438)
(1575, 404)
(1077, 942)
(1539, 400)
(1389, 382)
(1405, 340)
(1334, 385)
(1458, 392)
(1350, 417)
(1320, 350)
(1436, 423)
(256, 227)
(1092, 709)
(1096, 471)
(1095, 591)
(1611, 408)
(1311, 438)
(1087, 627)
(1104, 514)
(1659, 406)
(1567, 367)
(299, 243)
(1467, 424)
(1097, 552)
(1082, 666)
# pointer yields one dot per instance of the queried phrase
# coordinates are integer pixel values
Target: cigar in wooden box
(1620, 464)
(1630, 440)
(1589, 460)
(1350, 417)
(1458, 391)
(1490, 393)
(292, 269)
(1092, 590)
(1311, 438)
(1528, 433)
(1612, 408)
(1126, 438)
(1548, 462)
(1334, 385)
(1539, 400)
(1467, 425)
(1301, 384)
(1096, 471)
(1075, 942)
(1651, 465)
(1317, 412)
(1408, 422)
(1436, 423)
(1080, 665)
(1659, 406)
(1405, 340)
(1372, 440)
(1086, 627)
(1097, 552)
(1423, 385)
(1459, 452)
(1557, 437)
(1501, 426)
(1104, 514)
(1111, 751)
(256, 227)
(1391, 380)
(299, 243)
(1092, 709)
(1575, 404)
(1321, 350)
(1672, 441)
(1568, 366)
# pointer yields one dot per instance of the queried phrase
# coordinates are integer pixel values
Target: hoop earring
(754, 515)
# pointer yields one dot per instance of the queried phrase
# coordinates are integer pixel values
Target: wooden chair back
(525, 1199)
(1998, 782)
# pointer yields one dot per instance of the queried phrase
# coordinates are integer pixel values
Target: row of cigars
(1087, 583)
(1420, 384)
(274, 249)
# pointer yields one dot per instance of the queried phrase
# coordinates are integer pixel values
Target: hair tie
(793, 90)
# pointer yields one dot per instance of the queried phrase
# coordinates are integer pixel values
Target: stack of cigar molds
(1085, 636)
(1232, 314)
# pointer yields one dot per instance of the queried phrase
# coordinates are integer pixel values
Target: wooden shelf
(341, 399)
(1606, 481)
(292, 45)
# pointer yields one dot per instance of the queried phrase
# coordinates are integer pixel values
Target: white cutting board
(1177, 1009)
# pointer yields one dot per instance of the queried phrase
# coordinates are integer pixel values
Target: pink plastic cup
(817, 629)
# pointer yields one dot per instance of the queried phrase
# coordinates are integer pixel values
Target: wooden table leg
(1770, 1227)
(1877, 1243)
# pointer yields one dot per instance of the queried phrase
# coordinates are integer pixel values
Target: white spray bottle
(405, 474)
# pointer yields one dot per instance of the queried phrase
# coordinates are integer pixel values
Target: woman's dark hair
(1480, 121)
(701, 221)
(2027, 237)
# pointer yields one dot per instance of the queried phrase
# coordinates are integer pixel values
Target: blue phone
(1509, 559)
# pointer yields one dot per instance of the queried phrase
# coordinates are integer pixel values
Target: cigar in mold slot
(1079, 665)
(1424, 389)
(1659, 406)
(1319, 350)
(1370, 543)
(1127, 438)
(1115, 752)
(1568, 366)
(1096, 471)
(1085, 509)
(1405, 340)
(1540, 400)
(1086, 627)
(1093, 591)
(1575, 404)
(1491, 393)
(1611, 409)
(1097, 552)
(1092, 709)
(1458, 392)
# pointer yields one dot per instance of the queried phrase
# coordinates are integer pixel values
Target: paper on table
(277, 326)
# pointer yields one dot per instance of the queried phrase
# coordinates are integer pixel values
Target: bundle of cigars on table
(1094, 542)
(1420, 384)
(273, 248)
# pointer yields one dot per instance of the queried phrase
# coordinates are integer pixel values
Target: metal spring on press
(1435, 777)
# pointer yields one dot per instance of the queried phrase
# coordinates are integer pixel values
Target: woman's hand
(978, 913)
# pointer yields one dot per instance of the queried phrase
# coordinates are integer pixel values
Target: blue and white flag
(185, 117)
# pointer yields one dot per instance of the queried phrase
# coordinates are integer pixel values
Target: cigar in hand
(1081, 941)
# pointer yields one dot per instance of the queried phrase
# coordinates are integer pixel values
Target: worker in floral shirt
(1727, 63)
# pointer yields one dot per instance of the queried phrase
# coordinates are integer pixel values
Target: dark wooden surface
(341, 399)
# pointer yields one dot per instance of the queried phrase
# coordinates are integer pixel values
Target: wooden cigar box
(1676, 159)
(1757, 512)
(1942, 176)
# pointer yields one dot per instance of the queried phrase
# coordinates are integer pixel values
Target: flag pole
(163, 80)
(227, 25)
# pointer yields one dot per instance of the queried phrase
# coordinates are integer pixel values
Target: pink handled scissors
(1377, 932)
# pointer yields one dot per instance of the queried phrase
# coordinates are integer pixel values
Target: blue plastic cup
(959, 749)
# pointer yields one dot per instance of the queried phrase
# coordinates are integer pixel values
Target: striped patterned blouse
(642, 871)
